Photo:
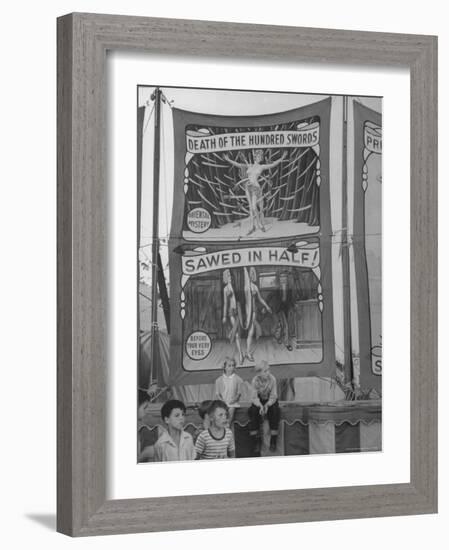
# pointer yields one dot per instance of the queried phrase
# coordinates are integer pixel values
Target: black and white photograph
(220, 225)
(260, 274)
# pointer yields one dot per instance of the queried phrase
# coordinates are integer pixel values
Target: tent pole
(140, 121)
(348, 371)
(156, 97)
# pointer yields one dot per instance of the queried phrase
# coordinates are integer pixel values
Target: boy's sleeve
(200, 444)
(192, 452)
(157, 453)
(273, 392)
(239, 385)
(254, 396)
(231, 444)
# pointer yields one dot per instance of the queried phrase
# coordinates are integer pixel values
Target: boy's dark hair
(169, 405)
(217, 404)
(203, 408)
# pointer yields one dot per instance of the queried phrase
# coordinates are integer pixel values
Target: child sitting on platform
(175, 443)
(228, 387)
(217, 441)
(264, 403)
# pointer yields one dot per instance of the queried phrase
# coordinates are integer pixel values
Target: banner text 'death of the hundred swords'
(307, 136)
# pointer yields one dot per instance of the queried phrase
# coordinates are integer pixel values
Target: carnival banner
(250, 245)
(367, 245)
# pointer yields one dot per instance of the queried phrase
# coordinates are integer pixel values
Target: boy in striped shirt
(217, 441)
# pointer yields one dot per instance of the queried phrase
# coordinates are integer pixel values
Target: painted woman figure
(253, 297)
(282, 301)
(231, 312)
(253, 189)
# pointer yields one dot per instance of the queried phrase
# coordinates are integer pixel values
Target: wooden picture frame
(83, 40)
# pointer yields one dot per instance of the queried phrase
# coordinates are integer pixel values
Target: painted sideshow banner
(246, 185)
(250, 258)
(367, 241)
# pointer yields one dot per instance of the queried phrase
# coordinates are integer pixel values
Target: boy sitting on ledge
(264, 403)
